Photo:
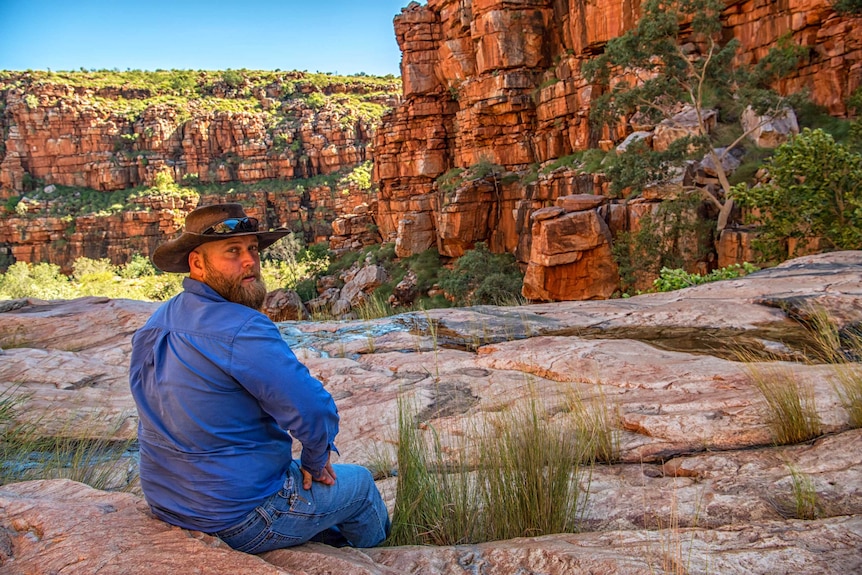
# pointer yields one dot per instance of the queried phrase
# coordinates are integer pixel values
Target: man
(219, 395)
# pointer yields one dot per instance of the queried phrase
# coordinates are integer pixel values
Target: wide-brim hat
(173, 255)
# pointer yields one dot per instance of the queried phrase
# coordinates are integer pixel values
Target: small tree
(698, 72)
(480, 277)
(815, 191)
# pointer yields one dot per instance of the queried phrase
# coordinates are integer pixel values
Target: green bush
(136, 280)
(360, 176)
(669, 237)
(42, 281)
(815, 191)
(674, 279)
(480, 277)
(848, 6)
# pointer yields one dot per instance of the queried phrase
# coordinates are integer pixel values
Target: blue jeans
(350, 512)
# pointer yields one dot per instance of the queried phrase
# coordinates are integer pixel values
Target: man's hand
(327, 476)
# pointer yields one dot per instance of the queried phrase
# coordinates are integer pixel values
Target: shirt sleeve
(265, 366)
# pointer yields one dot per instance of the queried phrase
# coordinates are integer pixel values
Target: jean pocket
(289, 500)
(248, 534)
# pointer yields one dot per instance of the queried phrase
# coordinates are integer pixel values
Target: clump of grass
(791, 410)
(803, 501)
(598, 426)
(843, 349)
(529, 472)
(849, 389)
(431, 507)
(521, 477)
(27, 453)
(805, 498)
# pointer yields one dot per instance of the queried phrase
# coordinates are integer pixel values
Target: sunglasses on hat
(233, 225)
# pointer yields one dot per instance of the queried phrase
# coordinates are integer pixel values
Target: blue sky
(337, 36)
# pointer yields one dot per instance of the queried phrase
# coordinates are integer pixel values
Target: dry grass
(843, 349)
(791, 411)
(521, 474)
(26, 453)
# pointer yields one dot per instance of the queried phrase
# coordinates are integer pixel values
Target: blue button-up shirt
(217, 391)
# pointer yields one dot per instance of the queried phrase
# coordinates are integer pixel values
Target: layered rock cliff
(277, 142)
(499, 82)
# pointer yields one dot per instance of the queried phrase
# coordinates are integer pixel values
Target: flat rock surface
(700, 487)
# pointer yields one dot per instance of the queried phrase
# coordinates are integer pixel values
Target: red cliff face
(115, 138)
(499, 81)
(102, 139)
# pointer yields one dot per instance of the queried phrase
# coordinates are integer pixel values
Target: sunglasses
(233, 225)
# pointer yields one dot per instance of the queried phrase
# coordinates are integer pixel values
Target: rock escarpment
(699, 485)
(500, 82)
(282, 139)
(108, 133)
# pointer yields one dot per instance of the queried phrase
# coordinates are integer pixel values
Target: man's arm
(264, 364)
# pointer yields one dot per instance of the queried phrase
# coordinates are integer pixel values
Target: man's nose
(249, 258)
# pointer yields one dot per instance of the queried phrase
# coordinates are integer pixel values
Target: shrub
(815, 191)
(848, 6)
(360, 176)
(480, 277)
(671, 236)
(43, 281)
(316, 100)
(674, 279)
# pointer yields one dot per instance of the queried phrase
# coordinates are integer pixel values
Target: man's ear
(196, 264)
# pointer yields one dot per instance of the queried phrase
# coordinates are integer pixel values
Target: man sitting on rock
(220, 396)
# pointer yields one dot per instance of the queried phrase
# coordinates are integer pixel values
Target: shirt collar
(201, 289)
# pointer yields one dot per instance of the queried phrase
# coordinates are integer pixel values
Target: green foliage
(848, 6)
(675, 75)
(674, 279)
(449, 181)
(427, 267)
(286, 263)
(233, 78)
(42, 281)
(639, 165)
(136, 280)
(360, 176)
(198, 83)
(669, 237)
(452, 179)
(854, 136)
(480, 277)
(316, 100)
(70, 202)
(815, 191)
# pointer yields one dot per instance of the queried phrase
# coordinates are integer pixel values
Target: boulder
(284, 305)
(682, 124)
(363, 283)
(770, 131)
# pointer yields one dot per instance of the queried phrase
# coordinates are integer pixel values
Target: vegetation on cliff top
(201, 83)
(194, 92)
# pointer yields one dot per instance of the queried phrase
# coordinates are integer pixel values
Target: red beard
(249, 294)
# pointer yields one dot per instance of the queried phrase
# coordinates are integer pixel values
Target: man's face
(232, 268)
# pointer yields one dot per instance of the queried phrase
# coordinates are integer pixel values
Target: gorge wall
(274, 141)
(499, 81)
